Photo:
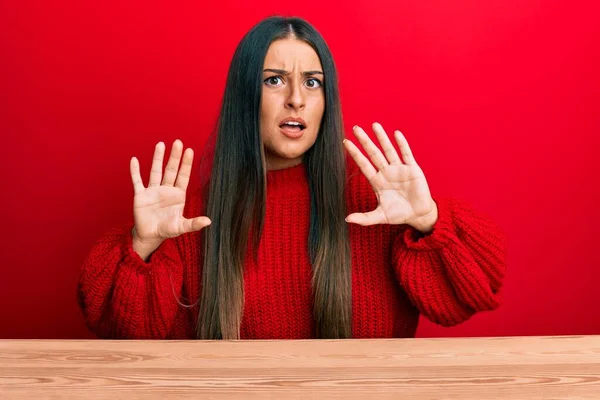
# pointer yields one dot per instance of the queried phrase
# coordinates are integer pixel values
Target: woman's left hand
(400, 185)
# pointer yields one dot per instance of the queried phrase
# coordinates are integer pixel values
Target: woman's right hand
(158, 208)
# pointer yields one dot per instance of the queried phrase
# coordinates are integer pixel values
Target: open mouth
(292, 126)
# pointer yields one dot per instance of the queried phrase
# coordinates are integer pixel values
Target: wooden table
(565, 367)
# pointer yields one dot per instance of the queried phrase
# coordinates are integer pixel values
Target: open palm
(400, 186)
(158, 209)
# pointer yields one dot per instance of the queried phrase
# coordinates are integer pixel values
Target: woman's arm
(457, 269)
(123, 296)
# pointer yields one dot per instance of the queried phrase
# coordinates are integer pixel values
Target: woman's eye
(313, 83)
(273, 80)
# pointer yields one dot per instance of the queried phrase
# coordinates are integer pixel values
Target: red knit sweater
(397, 273)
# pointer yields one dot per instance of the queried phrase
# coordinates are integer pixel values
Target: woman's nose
(295, 97)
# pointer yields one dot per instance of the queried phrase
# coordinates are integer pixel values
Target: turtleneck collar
(277, 177)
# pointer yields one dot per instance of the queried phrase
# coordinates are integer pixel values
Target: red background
(498, 99)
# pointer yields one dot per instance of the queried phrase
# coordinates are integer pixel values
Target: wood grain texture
(566, 367)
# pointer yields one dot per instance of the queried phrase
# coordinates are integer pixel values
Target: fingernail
(354, 127)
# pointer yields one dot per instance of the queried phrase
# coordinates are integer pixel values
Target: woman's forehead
(292, 55)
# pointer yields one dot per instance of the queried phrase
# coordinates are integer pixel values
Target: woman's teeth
(293, 125)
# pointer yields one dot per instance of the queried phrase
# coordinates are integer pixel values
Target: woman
(298, 240)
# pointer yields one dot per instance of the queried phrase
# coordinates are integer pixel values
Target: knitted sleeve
(457, 269)
(124, 297)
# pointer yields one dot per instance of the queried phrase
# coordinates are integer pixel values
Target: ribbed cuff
(443, 230)
(132, 258)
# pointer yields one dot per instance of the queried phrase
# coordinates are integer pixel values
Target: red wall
(498, 99)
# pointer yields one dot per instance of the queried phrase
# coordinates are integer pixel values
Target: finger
(363, 162)
(373, 151)
(388, 148)
(407, 154)
(374, 217)
(173, 163)
(195, 224)
(183, 177)
(136, 178)
(157, 163)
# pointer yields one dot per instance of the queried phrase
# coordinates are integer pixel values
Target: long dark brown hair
(235, 197)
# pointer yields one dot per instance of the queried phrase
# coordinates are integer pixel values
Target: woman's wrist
(142, 247)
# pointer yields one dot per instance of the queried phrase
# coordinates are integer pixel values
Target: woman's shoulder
(359, 193)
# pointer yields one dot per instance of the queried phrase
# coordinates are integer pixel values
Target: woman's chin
(291, 152)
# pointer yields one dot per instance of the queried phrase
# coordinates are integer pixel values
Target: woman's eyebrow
(284, 72)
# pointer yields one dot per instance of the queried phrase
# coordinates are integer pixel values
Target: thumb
(374, 217)
(195, 224)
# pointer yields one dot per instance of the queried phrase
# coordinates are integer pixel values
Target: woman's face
(292, 102)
